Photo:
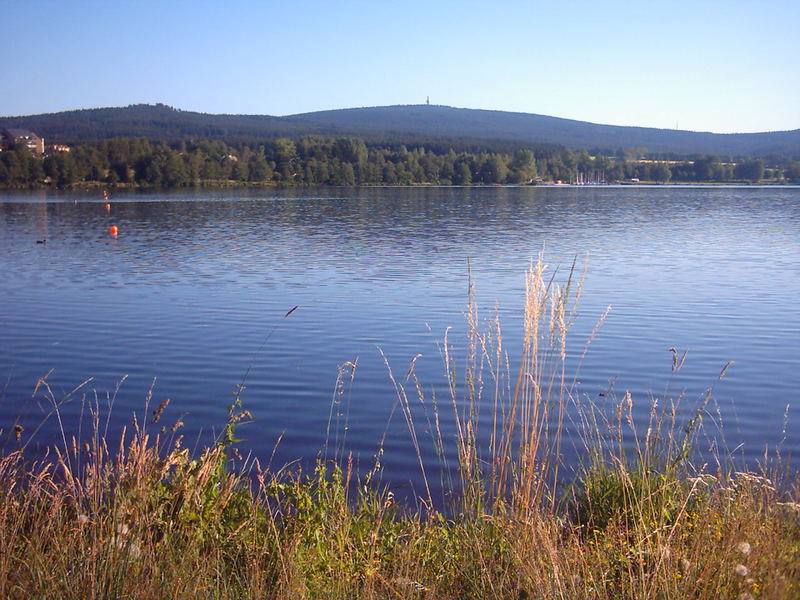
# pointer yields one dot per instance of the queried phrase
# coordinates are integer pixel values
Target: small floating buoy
(108, 207)
(113, 231)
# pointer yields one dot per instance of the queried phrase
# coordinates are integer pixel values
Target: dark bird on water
(42, 241)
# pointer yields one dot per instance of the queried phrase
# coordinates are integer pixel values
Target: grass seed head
(743, 548)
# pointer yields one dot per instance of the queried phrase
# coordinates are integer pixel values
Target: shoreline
(217, 184)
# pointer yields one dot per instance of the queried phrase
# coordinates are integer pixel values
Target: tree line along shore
(318, 160)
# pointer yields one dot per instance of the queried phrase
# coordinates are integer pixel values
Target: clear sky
(701, 65)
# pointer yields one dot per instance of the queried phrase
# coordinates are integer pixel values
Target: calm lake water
(183, 298)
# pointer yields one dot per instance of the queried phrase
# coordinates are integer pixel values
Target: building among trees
(14, 137)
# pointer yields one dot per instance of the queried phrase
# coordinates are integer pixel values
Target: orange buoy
(113, 231)
(108, 207)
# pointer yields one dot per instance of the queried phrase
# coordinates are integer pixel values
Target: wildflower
(703, 479)
(741, 570)
(758, 480)
(743, 547)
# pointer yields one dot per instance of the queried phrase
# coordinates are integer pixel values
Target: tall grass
(147, 520)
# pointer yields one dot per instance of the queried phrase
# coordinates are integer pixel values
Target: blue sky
(702, 65)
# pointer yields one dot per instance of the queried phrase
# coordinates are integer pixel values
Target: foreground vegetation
(147, 520)
(316, 160)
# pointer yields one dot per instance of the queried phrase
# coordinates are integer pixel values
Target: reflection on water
(195, 281)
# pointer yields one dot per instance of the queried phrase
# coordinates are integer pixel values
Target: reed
(145, 519)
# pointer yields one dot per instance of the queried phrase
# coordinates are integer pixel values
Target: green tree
(523, 166)
(175, 171)
(260, 170)
(792, 171)
(61, 168)
(660, 172)
(349, 149)
(284, 153)
(493, 169)
(462, 174)
(240, 171)
(389, 174)
(22, 168)
(752, 170)
(706, 167)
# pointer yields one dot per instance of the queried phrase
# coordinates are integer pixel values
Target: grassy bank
(145, 519)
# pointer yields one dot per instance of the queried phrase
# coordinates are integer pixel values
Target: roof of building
(18, 133)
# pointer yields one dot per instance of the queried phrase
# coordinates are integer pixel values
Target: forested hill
(531, 128)
(150, 121)
(394, 124)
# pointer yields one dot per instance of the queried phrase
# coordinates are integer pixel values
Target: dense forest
(318, 160)
(412, 125)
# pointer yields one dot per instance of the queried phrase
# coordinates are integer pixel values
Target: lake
(180, 303)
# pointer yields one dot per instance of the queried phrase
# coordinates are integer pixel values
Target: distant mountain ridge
(533, 128)
(395, 124)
